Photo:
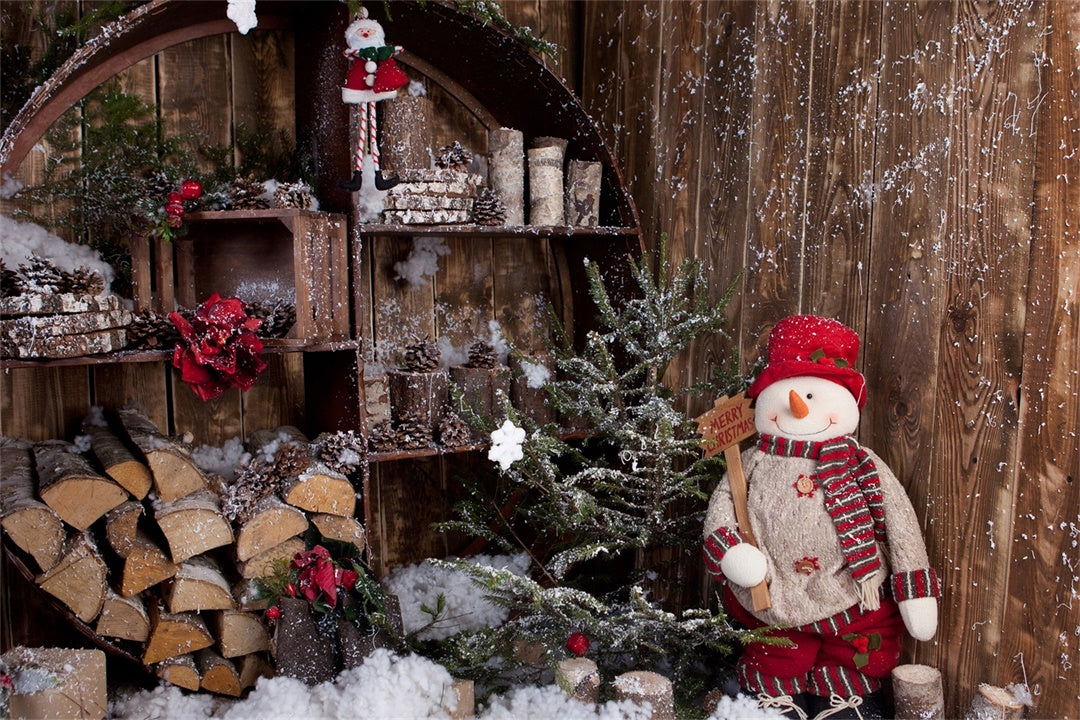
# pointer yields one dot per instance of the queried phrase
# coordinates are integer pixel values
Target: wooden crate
(256, 255)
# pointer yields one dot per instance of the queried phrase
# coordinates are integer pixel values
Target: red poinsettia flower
(219, 347)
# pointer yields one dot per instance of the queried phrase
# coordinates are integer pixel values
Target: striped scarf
(849, 480)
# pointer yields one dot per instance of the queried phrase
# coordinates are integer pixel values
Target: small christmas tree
(585, 512)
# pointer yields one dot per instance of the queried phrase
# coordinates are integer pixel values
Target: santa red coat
(362, 86)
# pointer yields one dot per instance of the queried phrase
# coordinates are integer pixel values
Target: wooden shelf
(271, 346)
(392, 455)
(525, 231)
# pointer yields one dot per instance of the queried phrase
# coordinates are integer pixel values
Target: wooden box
(73, 683)
(300, 256)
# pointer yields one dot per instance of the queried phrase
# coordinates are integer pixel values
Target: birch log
(180, 671)
(546, 186)
(78, 579)
(583, 193)
(193, 524)
(199, 585)
(239, 633)
(175, 474)
(31, 524)
(123, 617)
(506, 171)
(219, 676)
(917, 693)
(994, 703)
(407, 123)
(272, 523)
(120, 463)
(122, 526)
(70, 486)
(172, 635)
(644, 686)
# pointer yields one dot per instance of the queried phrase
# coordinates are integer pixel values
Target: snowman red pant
(847, 654)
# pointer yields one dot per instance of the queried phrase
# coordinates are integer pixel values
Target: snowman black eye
(809, 395)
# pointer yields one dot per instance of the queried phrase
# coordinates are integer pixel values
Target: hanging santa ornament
(373, 76)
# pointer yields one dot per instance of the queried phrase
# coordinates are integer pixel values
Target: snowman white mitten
(744, 565)
(920, 617)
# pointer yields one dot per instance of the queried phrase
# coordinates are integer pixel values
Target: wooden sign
(721, 429)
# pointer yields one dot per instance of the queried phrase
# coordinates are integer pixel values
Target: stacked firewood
(161, 558)
(440, 196)
(49, 312)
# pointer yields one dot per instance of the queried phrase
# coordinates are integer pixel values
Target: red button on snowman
(870, 576)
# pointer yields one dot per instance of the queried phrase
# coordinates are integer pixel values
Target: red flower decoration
(320, 577)
(219, 348)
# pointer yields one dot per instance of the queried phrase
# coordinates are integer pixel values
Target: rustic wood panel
(142, 384)
(408, 498)
(1040, 605)
(560, 23)
(778, 142)
(980, 355)
(263, 86)
(194, 85)
(44, 403)
(277, 397)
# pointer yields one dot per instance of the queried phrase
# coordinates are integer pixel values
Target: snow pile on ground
(464, 605)
(529, 703)
(23, 239)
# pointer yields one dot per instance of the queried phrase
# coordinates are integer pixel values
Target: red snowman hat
(816, 346)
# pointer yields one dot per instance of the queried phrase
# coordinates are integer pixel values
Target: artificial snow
(23, 239)
(9, 186)
(506, 445)
(464, 605)
(242, 12)
(422, 262)
(369, 199)
(527, 703)
(742, 707)
(224, 461)
(536, 374)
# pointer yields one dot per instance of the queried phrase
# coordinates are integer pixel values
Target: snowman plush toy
(838, 543)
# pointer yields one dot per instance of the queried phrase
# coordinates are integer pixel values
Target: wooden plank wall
(909, 168)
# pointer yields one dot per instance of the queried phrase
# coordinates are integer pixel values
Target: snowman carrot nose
(798, 405)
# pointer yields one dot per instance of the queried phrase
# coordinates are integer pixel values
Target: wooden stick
(737, 480)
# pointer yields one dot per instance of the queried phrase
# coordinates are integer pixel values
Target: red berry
(191, 189)
(578, 644)
(291, 589)
(175, 221)
(273, 613)
(174, 208)
(174, 197)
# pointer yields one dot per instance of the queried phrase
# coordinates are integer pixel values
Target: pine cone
(488, 208)
(255, 482)
(150, 330)
(41, 275)
(414, 432)
(291, 459)
(421, 356)
(84, 281)
(246, 193)
(277, 318)
(384, 438)
(342, 451)
(294, 195)
(158, 186)
(454, 431)
(482, 355)
(10, 283)
(454, 157)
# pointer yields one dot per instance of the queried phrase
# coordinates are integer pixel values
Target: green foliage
(265, 152)
(488, 12)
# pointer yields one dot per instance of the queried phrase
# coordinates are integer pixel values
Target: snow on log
(917, 693)
(66, 346)
(58, 303)
(193, 524)
(407, 122)
(123, 617)
(122, 525)
(199, 585)
(32, 525)
(78, 579)
(172, 635)
(180, 671)
(70, 486)
(341, 529)
(994, 703)
(239, 633)
(321, 490)
(506, 171)
(219, 676)
(272, 523)
(644, 686)
(579, 678)
(427, 217)
(175, 474)
(583, 193)
(120, 463)
(146, 565)
(546, 186)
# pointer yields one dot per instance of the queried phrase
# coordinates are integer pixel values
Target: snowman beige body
(799, 555)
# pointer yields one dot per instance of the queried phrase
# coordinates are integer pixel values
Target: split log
(175, 474)
(300, 650)
(193, 524)
(239, 633)
(79, 690)
(421, 395)
(70, 486)
(146, 565)
(123, 617)
(122, 527)
(78, 579)
(994, 703)
(407, 122)
(579, 678)
(253, 667)
(172, 635)
(67, 346)
(917, 693)
(506, 171)
(321, 490)
(120, 463)
(583, 193)
(644, 686)
(218, 674)
(59, 303)
(546, 186)
(341, 529)
(249, 596)
(180, 671)
(32, 525)
(463, 694)
(199, 585)
(272, 523)
(263, 564)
